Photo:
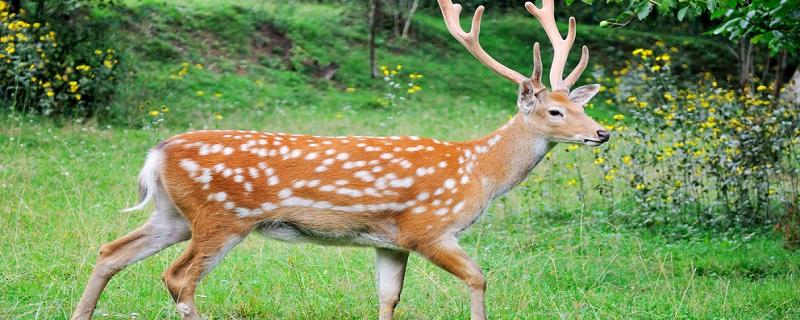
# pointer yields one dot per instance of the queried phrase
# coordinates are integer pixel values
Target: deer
(396, 194)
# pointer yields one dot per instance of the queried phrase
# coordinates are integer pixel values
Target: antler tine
(470, 39)
(561, 46)
(536, 78)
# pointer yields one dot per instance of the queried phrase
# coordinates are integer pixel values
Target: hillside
(271, 52)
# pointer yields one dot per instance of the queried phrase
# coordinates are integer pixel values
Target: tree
(750, 22)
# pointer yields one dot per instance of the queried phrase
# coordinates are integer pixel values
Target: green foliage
(774, 22)
(55, 61)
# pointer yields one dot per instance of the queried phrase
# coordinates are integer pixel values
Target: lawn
(550, 248)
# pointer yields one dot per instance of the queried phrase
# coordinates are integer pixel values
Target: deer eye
(555, 112)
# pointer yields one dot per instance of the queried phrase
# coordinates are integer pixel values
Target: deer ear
(527, 96)
(583, 94)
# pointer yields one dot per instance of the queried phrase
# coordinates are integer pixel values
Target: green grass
(548, 249)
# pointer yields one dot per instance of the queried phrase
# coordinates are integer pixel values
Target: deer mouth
(592, 142)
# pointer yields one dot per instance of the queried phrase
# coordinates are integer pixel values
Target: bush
(56, 61)
(700, 156)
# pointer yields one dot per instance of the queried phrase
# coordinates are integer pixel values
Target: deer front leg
(448, 255)
(390, 270)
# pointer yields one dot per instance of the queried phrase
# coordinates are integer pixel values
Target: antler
(560, 47)
(469, 40)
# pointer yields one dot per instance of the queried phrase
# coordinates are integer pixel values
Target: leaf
(644, 10)
(682, 13)
(711, 5)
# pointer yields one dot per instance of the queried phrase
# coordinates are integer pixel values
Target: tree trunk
(408, 19)
(780, 67)
(15, 6)
(373, 9)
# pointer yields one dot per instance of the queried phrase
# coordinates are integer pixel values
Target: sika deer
(397, 194)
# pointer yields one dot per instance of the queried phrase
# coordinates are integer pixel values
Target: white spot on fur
(285, 193)
(364, 175)
(401, 183)
(441, 211)
(419, 209)
(273, 180)
(459, 206)
(311, 156)
(450, 183)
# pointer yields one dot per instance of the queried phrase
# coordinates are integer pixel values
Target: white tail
(397, 194)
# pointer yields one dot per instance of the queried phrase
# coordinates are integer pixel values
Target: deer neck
(503, 159)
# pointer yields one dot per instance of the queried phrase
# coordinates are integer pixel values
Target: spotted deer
(396, 194)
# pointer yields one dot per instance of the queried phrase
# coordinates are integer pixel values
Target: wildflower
(217, 95)
(339, 115)
(154, 113)
(639, 186)
(98, 52)
(351, 89)
(78, 96)
(761, 88)
(668, 97)
(678, 183)
(164, 109)
(572, 182)
(619, 117)
(399, 66)
(599, 161)
(199, 66)
(411, 91)
(655, 67)
(217, 116)
(200, 92)
(50, 93)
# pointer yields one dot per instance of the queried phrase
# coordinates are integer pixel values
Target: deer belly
(326, 232)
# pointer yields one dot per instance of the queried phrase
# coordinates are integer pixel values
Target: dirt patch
(271, 43)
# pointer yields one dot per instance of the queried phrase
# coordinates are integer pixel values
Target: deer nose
(604, 135)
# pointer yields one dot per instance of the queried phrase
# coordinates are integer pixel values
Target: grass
(549, 249)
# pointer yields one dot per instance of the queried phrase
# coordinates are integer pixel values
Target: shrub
(700, 156)
(55, 61)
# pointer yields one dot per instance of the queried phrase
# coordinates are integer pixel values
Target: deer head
(557, 115)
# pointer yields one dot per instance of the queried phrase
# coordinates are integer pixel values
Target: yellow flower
(217, 95)
(655, 67)
(399, 66)
(339, 115)
(200, 92)
(761, 88)
(619, 116)
(599, 161)
(78, 96)
(217, 116)
(98, 52)
(572, 182)
(640, 186)
(411, 91)
(164, 109)
(154, 113)
(50, 93)
(678, 183)
(351, 89)
(199, 66)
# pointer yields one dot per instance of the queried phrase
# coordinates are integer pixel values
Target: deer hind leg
(205, 252)
(165, 227)
(390, 271)
(449, 256)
